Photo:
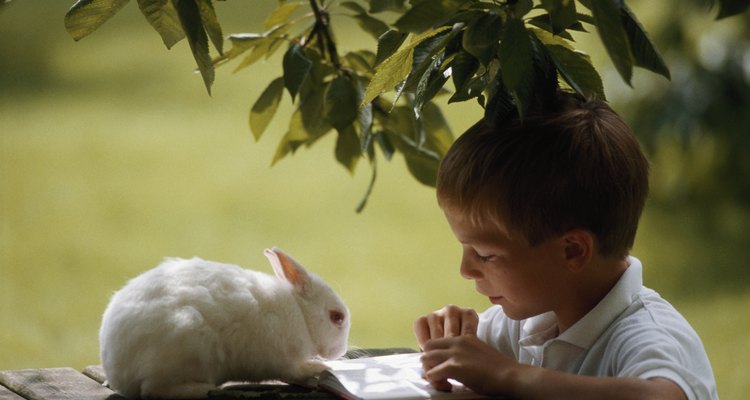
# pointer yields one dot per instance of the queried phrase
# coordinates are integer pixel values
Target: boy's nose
(469, 269)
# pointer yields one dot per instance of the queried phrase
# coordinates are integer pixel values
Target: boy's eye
(482, 258)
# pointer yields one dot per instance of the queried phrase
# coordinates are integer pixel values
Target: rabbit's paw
(307, 369)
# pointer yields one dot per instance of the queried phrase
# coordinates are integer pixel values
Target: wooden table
(68, 383)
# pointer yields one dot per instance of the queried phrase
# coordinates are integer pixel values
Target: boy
(546, 210)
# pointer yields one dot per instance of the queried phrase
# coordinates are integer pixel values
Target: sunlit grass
(723, 322)
(92, 205)
(120, 159)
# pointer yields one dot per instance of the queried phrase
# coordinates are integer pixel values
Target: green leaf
(192, 24)
(211, 24)
(312, 107)
(585, 18)
(421, 164)
(612, 33)
(259, 50)
(546, 77)
(341, 103)
(463, 67)
(164, 19)
(296, 66)
(546, 37)
(366, 197)
(543, 21)
(240, 43)
(281, 14)
(385, 145)
(265, 46)
(482, 36)
(388, 74)
(576, 69)
(396, 67)
(291, 140)
(377, 6)
(265, 107)
(361, 61)
(562, 14)
(500, 103)
(388, 43)
(470, 89)
(521, 7)
(425, 55)
(439, 136)
(427, 14)
(517, 65)
(417, 145)
(348, 148)
(371, 25)
(85, 16)
(364, 116)
(728, 8)
(354, 6)
(368, 23)
(429, 85)
(643, 49)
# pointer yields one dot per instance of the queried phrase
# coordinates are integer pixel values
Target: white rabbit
(186, 326)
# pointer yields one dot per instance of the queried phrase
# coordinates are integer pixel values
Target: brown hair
(577, 165)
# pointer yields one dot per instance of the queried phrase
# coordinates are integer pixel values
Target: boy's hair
(574, 165)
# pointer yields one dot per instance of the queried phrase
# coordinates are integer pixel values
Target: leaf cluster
(507, 55)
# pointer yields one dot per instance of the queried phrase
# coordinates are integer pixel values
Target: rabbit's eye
(337, 317)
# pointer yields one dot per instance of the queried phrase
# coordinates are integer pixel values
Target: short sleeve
(666, 347)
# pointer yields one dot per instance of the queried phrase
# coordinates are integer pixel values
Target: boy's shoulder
(632, 332)
(650, 320)
(651, 339)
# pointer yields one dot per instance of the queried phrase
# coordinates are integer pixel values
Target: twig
(322, 30)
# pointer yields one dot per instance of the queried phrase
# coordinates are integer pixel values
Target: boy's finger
(442, 385)
(435, 323)
(452, 325)
(421, 331)
(436, 344)
(435, 372)
(469, 322)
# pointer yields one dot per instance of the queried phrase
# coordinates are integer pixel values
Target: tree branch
(323, 31)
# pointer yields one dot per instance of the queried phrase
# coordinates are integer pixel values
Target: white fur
(186, 326)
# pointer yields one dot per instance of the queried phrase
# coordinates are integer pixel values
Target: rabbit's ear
(286, 268)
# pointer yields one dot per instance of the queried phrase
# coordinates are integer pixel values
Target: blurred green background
(112, 156)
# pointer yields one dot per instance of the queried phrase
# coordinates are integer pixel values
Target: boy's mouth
(495, 299)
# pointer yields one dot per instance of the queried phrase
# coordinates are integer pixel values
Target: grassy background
(112, 157)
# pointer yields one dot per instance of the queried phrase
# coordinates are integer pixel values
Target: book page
(396, 376)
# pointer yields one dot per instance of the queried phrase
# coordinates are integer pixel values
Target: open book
(397, 376)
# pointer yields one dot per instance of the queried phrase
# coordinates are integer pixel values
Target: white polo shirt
(631, 332)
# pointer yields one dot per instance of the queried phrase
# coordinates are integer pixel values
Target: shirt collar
(585, 332)
(538, 329)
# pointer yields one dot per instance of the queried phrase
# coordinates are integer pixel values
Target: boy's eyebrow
(486, 238)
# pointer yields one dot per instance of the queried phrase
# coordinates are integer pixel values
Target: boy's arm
(484, 369)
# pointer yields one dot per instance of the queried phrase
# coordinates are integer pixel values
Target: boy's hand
(468, 360)
(486, 370)
(450, 321)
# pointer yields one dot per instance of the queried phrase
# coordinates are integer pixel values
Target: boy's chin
(513, 312)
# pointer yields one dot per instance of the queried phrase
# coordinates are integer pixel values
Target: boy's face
(523, 279)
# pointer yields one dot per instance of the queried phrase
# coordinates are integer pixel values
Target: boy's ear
(579, 249)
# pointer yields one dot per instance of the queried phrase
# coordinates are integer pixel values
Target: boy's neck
(588, 288)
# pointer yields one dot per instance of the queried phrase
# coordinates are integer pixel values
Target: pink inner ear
(290, 270)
